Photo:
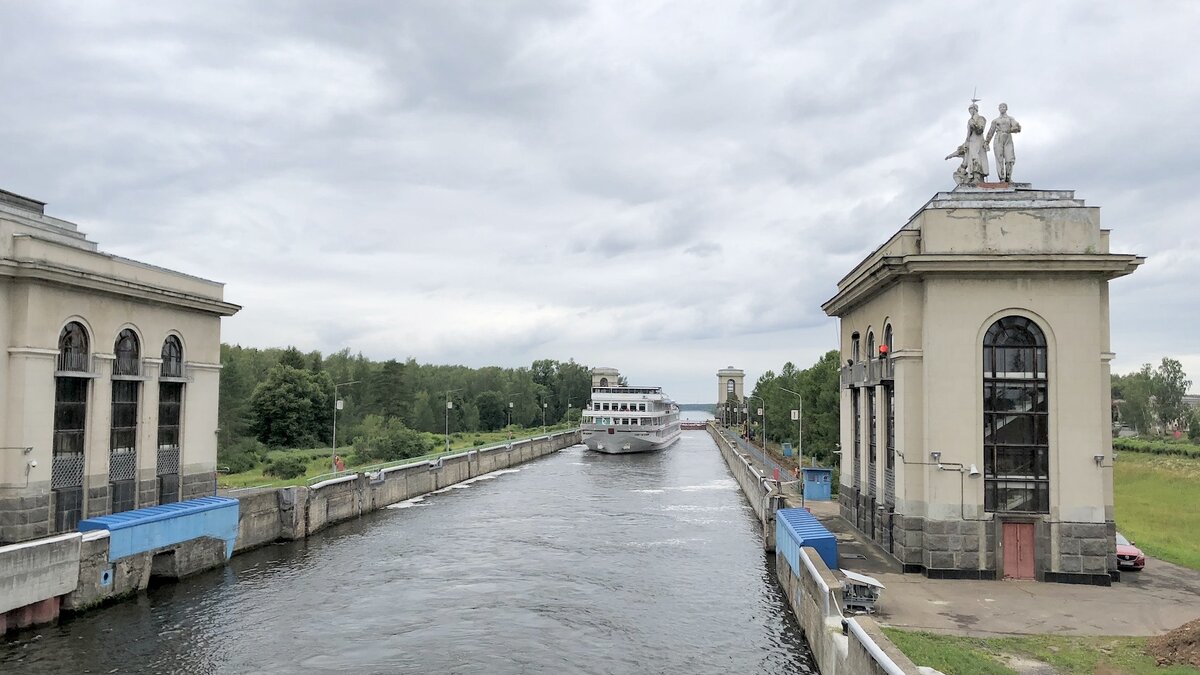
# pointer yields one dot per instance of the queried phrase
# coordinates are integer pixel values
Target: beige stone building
(975, 407)
(108, 390)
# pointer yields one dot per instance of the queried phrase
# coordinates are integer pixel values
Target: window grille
(1016, 449)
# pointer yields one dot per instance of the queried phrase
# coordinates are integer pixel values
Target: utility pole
(337, 405)
(798, 415)
(449, 407)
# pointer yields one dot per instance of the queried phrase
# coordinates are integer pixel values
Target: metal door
(1018, 551)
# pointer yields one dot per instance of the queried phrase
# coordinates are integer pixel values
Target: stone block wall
(24, 518)
(953, 549)
(202, 484)
(1085, 553)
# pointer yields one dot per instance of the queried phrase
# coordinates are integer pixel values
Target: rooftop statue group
(974, 150)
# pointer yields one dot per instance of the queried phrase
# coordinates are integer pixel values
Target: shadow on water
(578, 562)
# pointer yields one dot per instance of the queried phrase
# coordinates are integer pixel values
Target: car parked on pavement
(1129, 556)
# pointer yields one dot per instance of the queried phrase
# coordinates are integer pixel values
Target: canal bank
(841, 644)
(120, 555)
(579, 562)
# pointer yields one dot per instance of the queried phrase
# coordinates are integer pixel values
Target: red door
(1018, 551)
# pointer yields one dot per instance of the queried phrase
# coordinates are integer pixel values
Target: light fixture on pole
(510, 412)
(449, 407)
(337, 405)
(762, 412)
(544, 406)
(798, 415)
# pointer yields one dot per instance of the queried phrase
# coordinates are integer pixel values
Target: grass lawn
(320, 460)
(1156, 498)
(1067, 654)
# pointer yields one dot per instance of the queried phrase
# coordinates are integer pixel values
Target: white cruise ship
(622, 419)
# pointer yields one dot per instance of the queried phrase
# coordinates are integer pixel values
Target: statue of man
(1003, 127)
(974, 167)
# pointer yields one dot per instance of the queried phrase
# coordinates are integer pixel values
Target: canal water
(574, 563)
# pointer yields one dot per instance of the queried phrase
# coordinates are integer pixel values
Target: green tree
(492, 413)
(388, 440)
(1194, 426)
(1169, 384)
(292, 408)
(292, 358)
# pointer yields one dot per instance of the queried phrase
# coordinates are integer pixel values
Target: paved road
(1161, 598)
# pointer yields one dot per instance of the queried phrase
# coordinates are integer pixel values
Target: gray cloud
(665, 187)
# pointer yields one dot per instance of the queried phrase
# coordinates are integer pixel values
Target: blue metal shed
(818, 483)
(155, 527)
(797, 528)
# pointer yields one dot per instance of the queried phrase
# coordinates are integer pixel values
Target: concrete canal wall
(841, 645)
(79, 570)
(296, 512)
(762, 493)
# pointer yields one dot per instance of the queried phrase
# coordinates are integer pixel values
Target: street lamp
(449, 407)
(568, 413)
(799, 438)
(337, 405)
(544, 406)
(764, 419)
(510, 412)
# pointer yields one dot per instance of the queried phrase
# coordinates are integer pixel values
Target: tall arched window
(70, 425)
(170, 421)
(123, 432)
(854, 350)
(128, 353)
(730, 387)
(871, 345)
(172, 357)
(1016, 448)
(887, 336)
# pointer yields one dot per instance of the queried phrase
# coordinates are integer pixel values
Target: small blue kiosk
(818, 483)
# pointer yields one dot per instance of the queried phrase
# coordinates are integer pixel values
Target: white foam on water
(649, 492)
(664, 542)
(408, 503)
(719, 484)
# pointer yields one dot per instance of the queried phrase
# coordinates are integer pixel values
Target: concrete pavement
(1160, 598)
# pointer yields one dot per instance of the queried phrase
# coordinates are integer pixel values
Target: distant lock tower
(730, 382)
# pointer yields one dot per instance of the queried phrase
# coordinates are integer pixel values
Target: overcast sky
(666, 188)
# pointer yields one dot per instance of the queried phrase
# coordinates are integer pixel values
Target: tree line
(284, 398)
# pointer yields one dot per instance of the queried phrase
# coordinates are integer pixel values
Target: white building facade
(975, 405)
(108, 389)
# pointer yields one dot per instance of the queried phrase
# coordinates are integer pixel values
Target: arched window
(172, 357)
(1016, 448)
(871, 345)
(73, 349)
(128, 353)
(730, 386)
(854, 351)
(604, 382)
(887, 336)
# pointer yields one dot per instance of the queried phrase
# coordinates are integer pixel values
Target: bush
(479, 442)
(1157, 447)
(388, 440)
(286, 467)
(243, 455)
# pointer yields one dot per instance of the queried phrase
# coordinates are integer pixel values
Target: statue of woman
(974, 168)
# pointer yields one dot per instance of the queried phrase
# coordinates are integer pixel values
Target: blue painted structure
(797, 528)
(787, 449)
(156, 527)
(818, 483)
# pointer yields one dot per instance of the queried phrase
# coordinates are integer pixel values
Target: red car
(1128, 555)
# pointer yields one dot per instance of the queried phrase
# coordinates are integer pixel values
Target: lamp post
(764, 419)
(510, 412)
(568, 413)
(544, 406)
(799, 413)
(449, 407)
(337, 405)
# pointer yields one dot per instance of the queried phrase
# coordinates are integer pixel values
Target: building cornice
(883, 271)
(61, 275)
